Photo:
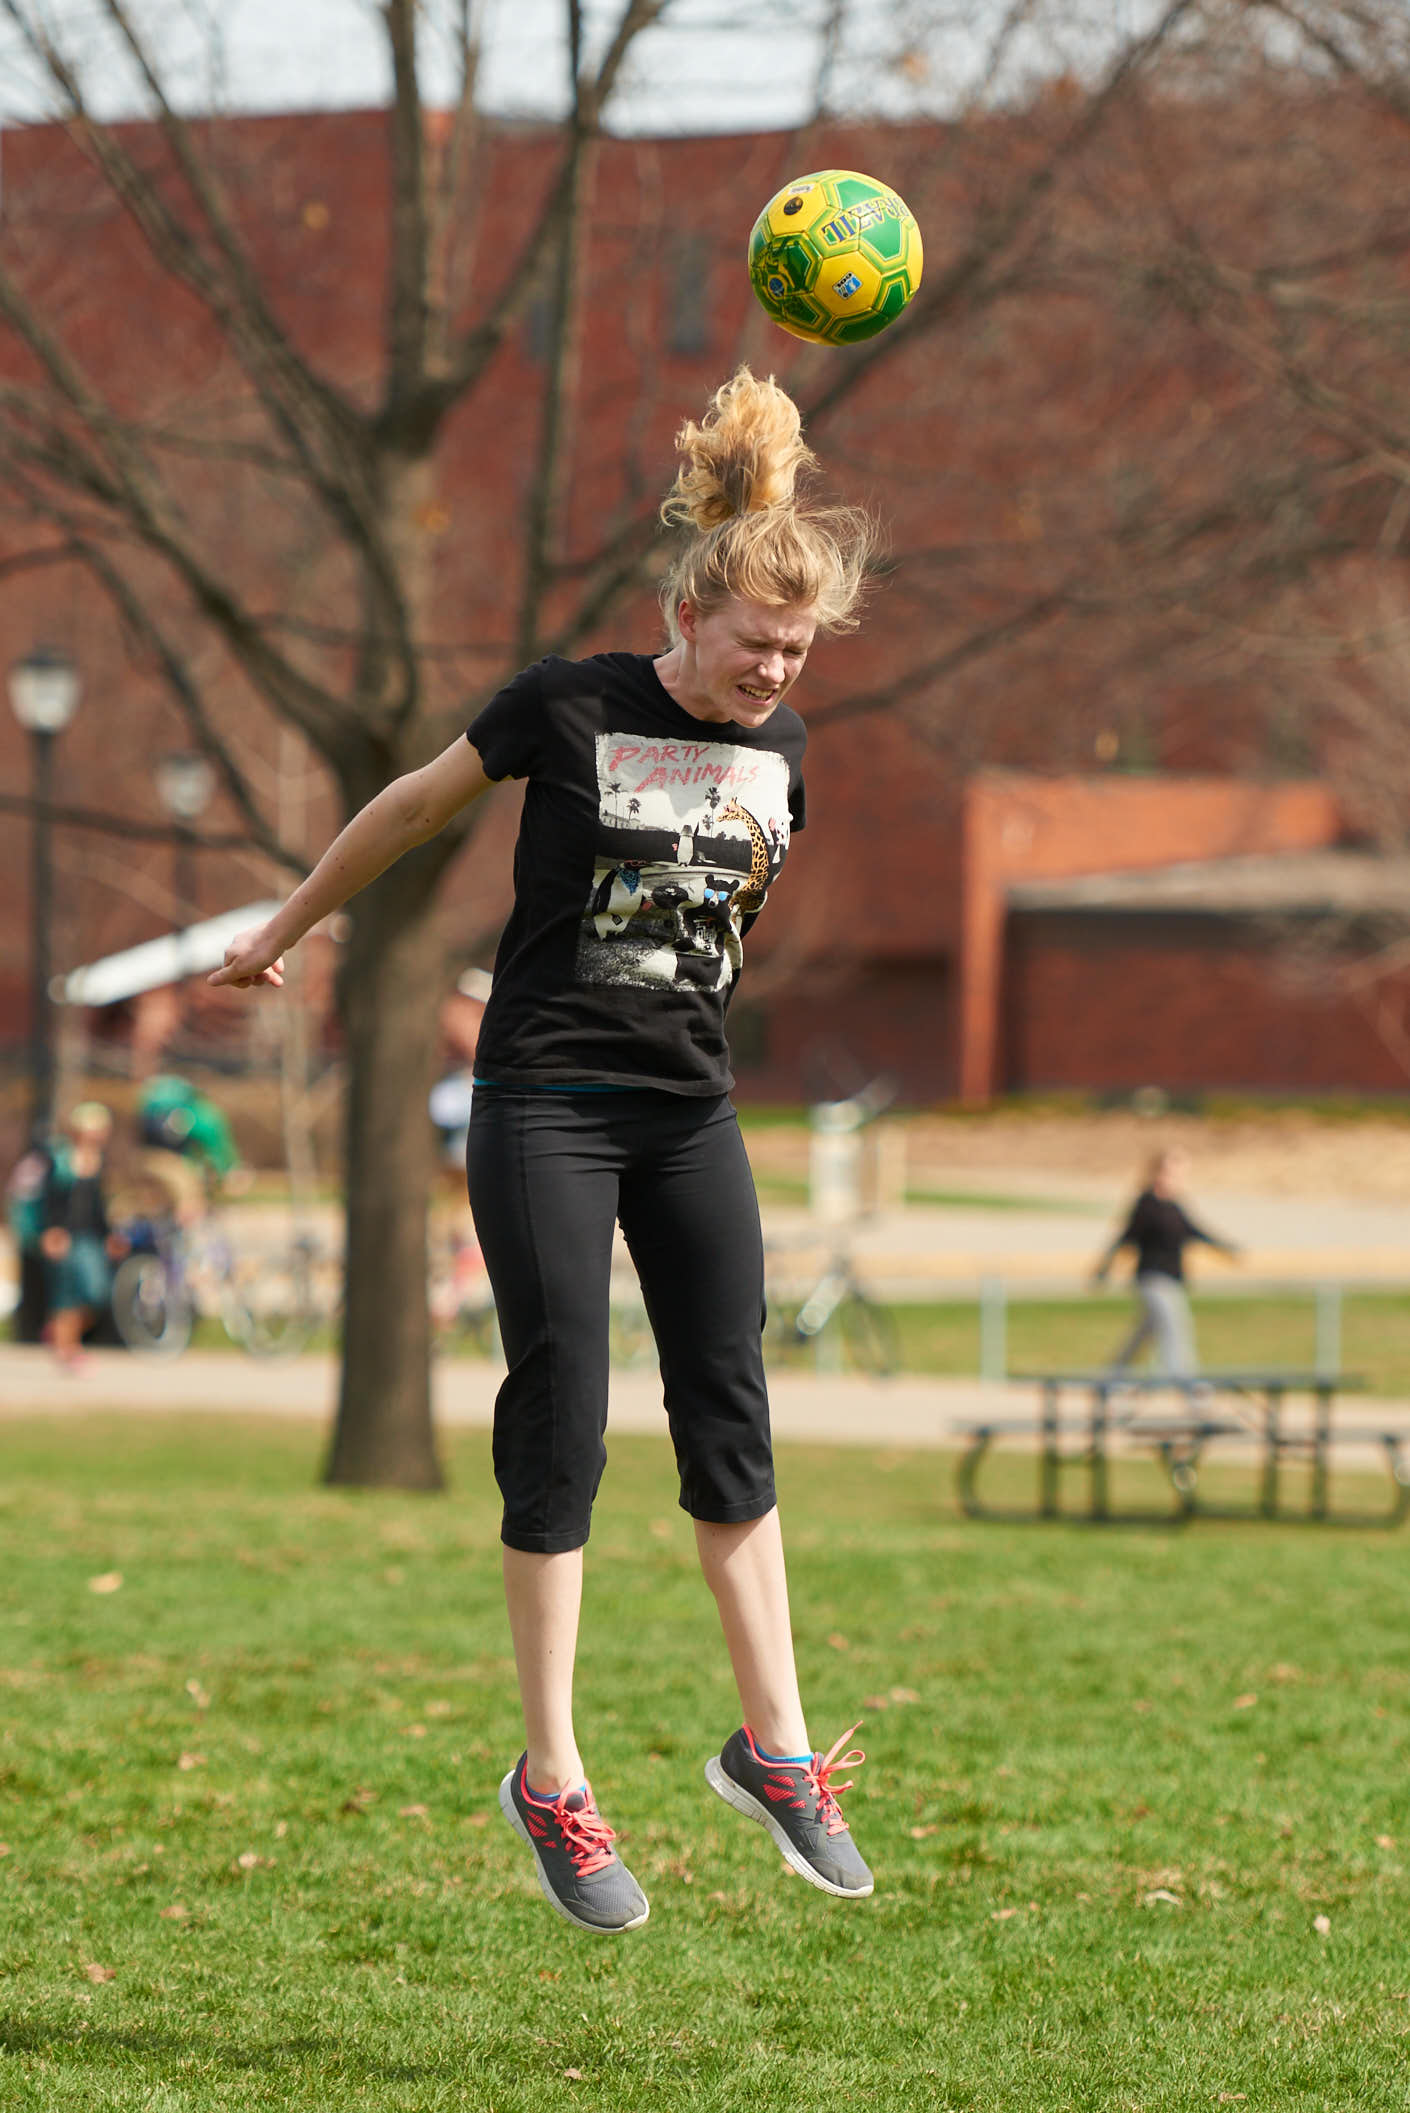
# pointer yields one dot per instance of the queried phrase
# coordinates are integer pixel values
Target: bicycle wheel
(784, 1342)
(151, 1312)
(268, 1308)
(631, 1343)
(479, 1327)
(868, 1336)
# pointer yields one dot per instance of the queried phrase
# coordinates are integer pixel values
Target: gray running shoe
(797, 1802)
(581, 1873)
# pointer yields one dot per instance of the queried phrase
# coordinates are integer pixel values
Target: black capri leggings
(550, 1174)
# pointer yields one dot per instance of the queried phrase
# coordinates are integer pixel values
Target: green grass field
(1234, 1330)
(1136, 1802)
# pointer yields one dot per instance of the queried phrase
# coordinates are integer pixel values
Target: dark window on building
(538, 328)
(689, 322)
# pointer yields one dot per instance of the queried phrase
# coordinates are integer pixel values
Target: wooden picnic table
(1211, 1405)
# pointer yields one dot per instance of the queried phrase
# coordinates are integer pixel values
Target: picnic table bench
(1210, 1406)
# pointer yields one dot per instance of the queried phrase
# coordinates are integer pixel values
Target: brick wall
(891, 1017)
(1096, 1001)
(1021, 827)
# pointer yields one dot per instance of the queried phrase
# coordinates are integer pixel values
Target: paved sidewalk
(911, 1412)
(845, 1411)
(1041, 1233)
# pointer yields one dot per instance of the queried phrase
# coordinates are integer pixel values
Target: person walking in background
(601, 1095)
(77, 1242)
(1159, 1229)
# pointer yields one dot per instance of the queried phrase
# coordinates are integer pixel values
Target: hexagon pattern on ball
(835, 256)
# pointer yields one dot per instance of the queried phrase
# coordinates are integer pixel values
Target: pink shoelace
(587, 1838)
(819, 1773)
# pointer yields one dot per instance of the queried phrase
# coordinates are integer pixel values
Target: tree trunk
(389, 984)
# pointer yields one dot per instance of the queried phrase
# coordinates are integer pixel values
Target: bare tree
(289, 505)
(364, 463)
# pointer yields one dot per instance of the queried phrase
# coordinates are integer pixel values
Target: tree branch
(141, 626)
(965, 278)
(471, 354)
(128, 488)
(408, 258)
(326, 436)
(131, 827)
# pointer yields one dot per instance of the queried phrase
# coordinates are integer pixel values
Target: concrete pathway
(912, 1412)
(1284, 1240)
(1044, 1235)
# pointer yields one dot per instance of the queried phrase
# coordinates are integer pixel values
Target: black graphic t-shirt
(648, 842)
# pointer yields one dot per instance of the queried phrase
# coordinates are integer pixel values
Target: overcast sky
(711, 65)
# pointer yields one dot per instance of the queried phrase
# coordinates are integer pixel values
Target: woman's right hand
(250, 959)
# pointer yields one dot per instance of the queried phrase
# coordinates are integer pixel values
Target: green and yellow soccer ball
(835, 257)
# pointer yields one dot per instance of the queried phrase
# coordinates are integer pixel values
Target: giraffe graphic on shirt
(756, 887)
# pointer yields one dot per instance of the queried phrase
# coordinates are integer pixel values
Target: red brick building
(911, 932)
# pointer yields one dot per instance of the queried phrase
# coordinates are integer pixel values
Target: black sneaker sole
(594, 1929)
(744, 1801)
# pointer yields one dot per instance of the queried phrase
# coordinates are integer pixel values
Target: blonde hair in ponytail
(748, 534)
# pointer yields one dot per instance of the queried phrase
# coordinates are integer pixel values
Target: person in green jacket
(188, 1148)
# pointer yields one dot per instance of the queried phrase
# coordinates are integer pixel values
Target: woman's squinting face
(747, 657)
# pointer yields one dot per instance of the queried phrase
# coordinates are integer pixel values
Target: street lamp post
(44, 689)
(185, 783)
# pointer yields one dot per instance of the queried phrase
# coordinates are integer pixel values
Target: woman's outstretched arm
(409, 811)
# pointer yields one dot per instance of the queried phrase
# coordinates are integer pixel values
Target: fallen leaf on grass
(1322, 1924)
(1232, 2098)
(1385, 1841)
(875, 1702)
(198, 1694)
(413, 1812)
(918, 1834)
(575, 2075)
(100, 1973)
(175, 1913)
(1245, 1701)
(110, 1581)
(904, 1694)
(415, 1731)
(839, 1641)
(188, 1761)
(1161, 1893)
(4, 1848)
(477, 1819)
(1002, 1914)
(249, 1860)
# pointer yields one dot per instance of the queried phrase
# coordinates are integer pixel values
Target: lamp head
(44, 689)
(185, 783)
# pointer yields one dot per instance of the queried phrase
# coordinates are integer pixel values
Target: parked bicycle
(836, 1320)
(463, 1315)
(835, 1316)
(175, 1274)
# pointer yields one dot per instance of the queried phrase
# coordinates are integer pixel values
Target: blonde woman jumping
(661, 795)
